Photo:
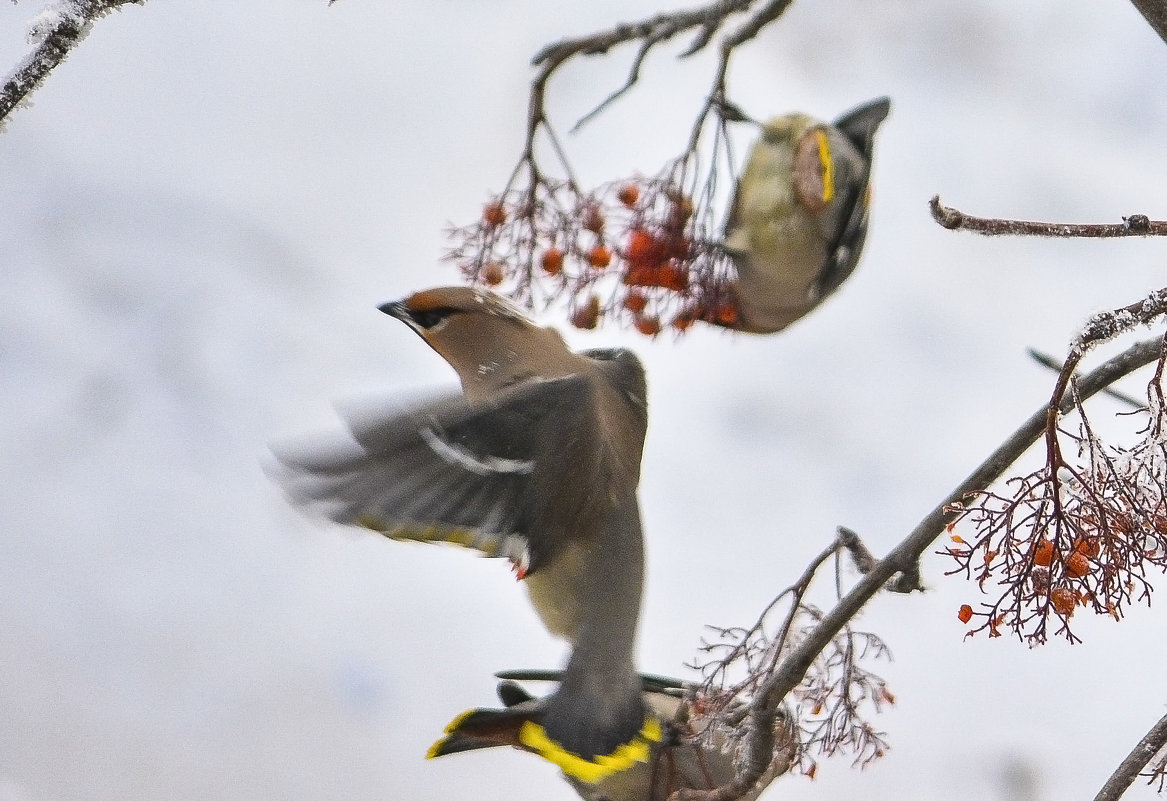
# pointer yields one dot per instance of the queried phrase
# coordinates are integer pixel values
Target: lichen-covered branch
(1124, 775)
(956, 220)
(56, 31)
(1155, 13)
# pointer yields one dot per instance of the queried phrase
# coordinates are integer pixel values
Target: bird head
(488, 341)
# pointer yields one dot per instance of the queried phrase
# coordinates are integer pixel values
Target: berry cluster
(634, 251)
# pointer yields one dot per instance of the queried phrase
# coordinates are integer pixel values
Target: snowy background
(198, 216)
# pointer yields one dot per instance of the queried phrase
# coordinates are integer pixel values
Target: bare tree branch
(650, 33)
(706, 20)
(956, 220)
(770, 12)
(1155, 13)
(904, 557)
(55, 33)
(1045, 360)
(1124, 775)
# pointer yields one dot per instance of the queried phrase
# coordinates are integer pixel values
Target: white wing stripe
(479, 465)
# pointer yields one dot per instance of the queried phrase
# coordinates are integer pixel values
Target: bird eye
(428, 318)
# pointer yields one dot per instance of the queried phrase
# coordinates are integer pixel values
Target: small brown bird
(799, 215)
(538, 460)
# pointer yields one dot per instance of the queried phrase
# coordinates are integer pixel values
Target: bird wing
(858, 126)
(450, 471)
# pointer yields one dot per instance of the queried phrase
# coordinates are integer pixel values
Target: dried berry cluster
(636, 251)
(1067, 537)
(825, 714)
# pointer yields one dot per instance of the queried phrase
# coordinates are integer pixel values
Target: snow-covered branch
(53, 32)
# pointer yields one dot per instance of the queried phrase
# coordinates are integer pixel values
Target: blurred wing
(446, 472)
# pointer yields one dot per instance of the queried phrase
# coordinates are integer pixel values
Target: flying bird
(536, 460)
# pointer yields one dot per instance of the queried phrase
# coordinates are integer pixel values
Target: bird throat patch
(599, 767)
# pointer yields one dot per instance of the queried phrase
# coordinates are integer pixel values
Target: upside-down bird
(798, 219)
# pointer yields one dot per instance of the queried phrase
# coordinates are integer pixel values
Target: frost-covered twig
(1075, 532)
(797, 662)
(956, 220)
(1107, 325)
(825, 715)
(54, 32)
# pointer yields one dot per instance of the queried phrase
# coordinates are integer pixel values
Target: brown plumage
(538, 460)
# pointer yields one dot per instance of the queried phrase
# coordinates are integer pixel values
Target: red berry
(1077, 565)
(648, 325)
(587, 315)
(1043, 553)
(492, 273)
(552, 261)
(599, 257)
(494, 214)
(635, 302)
(628, 195)
(1064, 601)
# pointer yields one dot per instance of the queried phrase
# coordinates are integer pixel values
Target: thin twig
(650, 32)
(956, 220)
(754, 25)
(763, 709)
(54, 36)
(861, 556)
(1125, 774)
(656, 30)
(1045, 360)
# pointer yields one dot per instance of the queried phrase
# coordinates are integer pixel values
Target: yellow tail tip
(436, 749)
(457, 722)
(599, 767)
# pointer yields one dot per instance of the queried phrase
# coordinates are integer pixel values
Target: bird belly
(558, 590)
(554, 602)
(777, 279)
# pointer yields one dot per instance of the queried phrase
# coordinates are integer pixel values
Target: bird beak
(396, 308)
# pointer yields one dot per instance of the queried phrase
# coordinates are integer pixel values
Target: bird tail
(480, 728)
(594, 763)
(587, 738)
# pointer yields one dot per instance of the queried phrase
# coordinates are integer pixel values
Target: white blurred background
(200, 212)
